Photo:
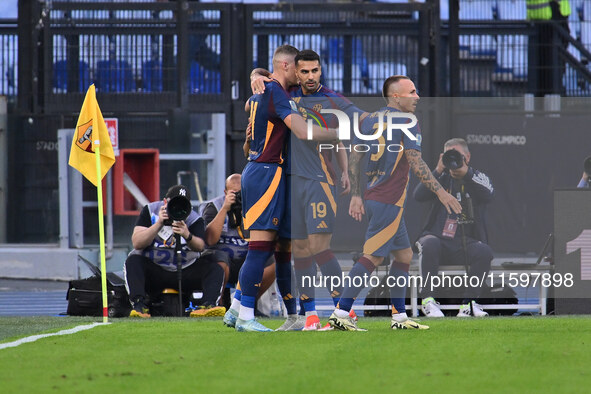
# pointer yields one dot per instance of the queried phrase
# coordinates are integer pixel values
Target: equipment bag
(85, 297)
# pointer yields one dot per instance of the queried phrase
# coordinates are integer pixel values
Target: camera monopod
(179, 269)
(179, 208)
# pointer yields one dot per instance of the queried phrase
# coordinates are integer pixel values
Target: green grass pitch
(158, 355)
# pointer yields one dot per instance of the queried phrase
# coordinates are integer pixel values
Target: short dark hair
(457, 141)
(389, 81)
(285, 49)
(307, 55)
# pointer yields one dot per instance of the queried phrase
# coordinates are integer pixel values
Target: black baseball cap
(178, 190)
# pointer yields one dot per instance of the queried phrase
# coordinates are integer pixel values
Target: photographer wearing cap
(450, 239)
(225, 234)
(151, 266)
(585, 181)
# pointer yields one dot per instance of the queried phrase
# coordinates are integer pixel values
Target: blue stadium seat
(512, 55)
(477, 9)
(511, 10)
(114, 76)
(202, 80)
(60, 76)
(152, 76)
(334, 55)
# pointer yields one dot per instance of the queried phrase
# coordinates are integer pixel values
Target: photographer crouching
(161, 245)
(450, 239)
(227, 240)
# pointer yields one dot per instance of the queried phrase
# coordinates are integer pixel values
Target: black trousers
(442, 251)
(144, 278)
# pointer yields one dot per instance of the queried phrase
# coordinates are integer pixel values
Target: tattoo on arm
(421, 170)
(354, 172)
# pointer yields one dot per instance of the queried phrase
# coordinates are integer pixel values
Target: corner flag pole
(99, 193)
(91, 132)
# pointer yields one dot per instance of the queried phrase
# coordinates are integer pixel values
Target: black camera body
(452, 159)
(235, 213)
(178, 208)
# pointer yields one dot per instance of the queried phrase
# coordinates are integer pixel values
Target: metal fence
(359, 46)
(163, 57)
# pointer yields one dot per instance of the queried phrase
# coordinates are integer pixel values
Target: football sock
(398, 294)
(236, 300)
(246, 313)
(283, 274)
(329, 266)
(362, 268)
(305, 272)
(400, 317)
(251, 275)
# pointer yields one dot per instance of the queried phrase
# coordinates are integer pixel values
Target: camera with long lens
(235, 213)
(178, 208)
(452, 159)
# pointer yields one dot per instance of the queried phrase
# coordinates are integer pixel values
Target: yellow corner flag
(92, 154)
(91, 131)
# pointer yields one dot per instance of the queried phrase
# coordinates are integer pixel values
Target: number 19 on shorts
(318, 209)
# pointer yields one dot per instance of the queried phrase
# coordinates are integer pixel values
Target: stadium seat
(60, 76)
(114, 76)
(512, 55)
(333, 56)
(202, 80)
(477, 10)
(586, 34)
(152, 76)
(511, 10)
(380, 71)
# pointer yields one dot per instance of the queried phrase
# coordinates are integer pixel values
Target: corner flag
(91, 131)
(92, 154)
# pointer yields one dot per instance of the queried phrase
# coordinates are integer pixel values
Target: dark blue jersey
(307, 161)
(387, 169)
(269, 133)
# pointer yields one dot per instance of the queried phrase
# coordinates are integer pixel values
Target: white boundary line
(33, 338)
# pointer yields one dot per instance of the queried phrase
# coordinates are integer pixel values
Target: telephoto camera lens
(452, 159)
(178, 208)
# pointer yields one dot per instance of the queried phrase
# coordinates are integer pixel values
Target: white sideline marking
(33, 338)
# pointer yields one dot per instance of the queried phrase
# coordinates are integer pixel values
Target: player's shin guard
(399, 271)
(330, 267)
(305, 273)
(363, 267)
(283, 274)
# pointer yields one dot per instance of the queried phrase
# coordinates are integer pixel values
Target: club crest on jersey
(317, 107)
(275, 221)
(303, 112)
(84, 137)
